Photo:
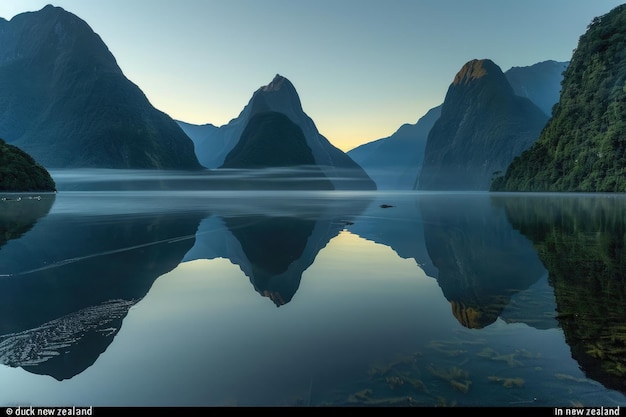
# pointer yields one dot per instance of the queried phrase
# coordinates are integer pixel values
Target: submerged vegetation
(456, 372)
(507, 382)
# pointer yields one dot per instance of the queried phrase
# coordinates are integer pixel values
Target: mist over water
(281, 178)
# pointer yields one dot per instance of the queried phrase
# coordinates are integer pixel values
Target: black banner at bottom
(20, 411)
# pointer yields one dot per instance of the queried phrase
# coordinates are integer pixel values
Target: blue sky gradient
(362, 68)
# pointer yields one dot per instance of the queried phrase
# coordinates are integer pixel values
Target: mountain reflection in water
(581, 241)
(146, 298)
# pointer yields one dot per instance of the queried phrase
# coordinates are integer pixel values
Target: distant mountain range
(541, 83)
(65, 101)
(395, 162)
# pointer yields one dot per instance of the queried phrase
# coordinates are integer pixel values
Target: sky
(362, 68)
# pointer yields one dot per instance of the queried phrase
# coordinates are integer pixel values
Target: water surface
(211, 298)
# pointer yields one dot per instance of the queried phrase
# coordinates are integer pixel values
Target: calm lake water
(120, 297)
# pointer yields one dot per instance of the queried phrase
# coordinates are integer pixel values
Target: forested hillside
(20, 172)
(583, 146)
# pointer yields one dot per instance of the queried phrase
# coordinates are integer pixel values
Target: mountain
(65, 101)
(20, 172)
(268, 130)
(583, 147)
(395, 161)
(482, 127)
(541, 83)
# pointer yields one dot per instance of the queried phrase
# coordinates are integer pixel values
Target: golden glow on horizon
(373, 260)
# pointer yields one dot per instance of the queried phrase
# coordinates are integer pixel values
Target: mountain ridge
(394, 162)
(540, 82)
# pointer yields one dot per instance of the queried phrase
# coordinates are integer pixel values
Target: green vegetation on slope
(20, 172)
(583, 146)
